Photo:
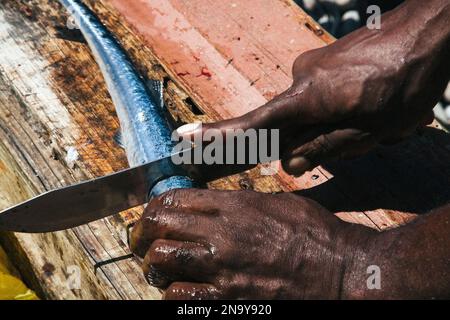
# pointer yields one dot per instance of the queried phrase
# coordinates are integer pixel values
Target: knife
(91, 200)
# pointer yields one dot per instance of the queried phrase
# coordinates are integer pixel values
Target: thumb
(276, 114)
(339, 144)
(253, 146)
(212, 167)
(242, 144)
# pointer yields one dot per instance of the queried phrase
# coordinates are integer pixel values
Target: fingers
(166, 223)
(338, 144)
(191, 291)
(182, 214)
(238, 142)
(403, 133)
(167, 261)
(275, 114)
(194, 200)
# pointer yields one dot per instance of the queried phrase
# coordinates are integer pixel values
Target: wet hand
(371, 87)
(205, 244)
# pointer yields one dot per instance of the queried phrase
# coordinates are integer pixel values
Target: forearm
(406, 62)
(414, 33)
(414, 261)
(424, 31)
(395, 75)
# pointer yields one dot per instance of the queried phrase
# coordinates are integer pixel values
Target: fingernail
(188, 129)
(298, 166)
(157, 278)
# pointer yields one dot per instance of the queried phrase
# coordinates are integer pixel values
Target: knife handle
(172, 183)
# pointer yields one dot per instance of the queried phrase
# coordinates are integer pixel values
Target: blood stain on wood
(183, 74)
(205, 72)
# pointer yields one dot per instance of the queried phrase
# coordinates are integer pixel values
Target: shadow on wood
(412, 177)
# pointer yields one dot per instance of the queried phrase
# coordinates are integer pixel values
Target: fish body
(145, 133)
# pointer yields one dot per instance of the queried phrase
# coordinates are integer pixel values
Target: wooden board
(217, 60)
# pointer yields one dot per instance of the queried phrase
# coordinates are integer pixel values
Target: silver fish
(145, 133)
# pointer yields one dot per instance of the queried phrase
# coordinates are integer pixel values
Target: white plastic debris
(309, 4)
(72, 156)
(447, 113)
(447, 93)
(351, 15)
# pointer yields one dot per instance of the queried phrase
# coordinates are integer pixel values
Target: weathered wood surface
(218, 60)
(57, 124)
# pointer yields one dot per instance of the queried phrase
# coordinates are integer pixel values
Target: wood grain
(53, 100)
(217, 60)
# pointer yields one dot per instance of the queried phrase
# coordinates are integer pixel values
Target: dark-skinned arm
(206, 244)
(414, 261)
(371, 87)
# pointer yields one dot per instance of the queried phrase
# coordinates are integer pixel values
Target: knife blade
(91, 200)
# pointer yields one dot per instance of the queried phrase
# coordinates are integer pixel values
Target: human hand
(205, 244)
(371, 87)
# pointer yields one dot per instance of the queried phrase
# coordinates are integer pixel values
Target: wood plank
(53, 103)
